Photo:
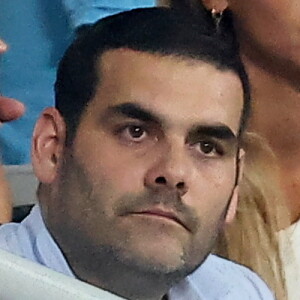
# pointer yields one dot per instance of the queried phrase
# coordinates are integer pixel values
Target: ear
(48, 145)
(218, 5)
(231, 212)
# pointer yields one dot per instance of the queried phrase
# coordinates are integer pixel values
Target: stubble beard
(92, 260)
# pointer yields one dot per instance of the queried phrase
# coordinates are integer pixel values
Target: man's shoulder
(21, 238)
(219, 278)
(9, 240)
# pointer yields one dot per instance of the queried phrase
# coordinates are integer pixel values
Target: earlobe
(241, 163)
(48, 144)
(218, 5)
(231, 212)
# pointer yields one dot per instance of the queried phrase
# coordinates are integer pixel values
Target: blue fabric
(216, 279)
(84, 12)
(38, 32)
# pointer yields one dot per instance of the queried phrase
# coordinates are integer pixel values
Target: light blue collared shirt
(216, 279)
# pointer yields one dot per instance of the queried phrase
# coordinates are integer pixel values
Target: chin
(158, 267)
(162, 261)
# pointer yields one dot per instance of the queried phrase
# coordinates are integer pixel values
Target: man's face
(152, 169)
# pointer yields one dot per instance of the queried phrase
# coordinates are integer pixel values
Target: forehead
(182, 91)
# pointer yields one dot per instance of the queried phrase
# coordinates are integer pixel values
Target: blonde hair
(252, 238)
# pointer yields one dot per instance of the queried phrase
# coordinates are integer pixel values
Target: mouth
(159, 213)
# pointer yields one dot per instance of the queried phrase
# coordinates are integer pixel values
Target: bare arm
(10, 109)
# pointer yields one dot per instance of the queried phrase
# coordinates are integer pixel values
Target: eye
(208, 148)
(134, 133)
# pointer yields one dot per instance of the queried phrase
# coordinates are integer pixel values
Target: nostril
(180, 185)
(161, 180)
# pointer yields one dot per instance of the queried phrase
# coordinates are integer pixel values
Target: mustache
(168, 200)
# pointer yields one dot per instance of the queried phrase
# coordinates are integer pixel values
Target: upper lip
(163, 213)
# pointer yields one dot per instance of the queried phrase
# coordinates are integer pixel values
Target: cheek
(117, 168)
(217, 174)
(212, 188)
(209, 200)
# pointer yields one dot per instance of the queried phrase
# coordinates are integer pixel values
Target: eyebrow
(219, 132)
(134, 111)
(222, 132)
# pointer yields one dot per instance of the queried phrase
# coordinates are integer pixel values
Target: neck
(273, 97)
(277, 70)
(276, 109)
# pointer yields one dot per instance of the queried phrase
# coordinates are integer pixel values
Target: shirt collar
(45, 249)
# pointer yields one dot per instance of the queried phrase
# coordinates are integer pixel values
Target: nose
(170, 170)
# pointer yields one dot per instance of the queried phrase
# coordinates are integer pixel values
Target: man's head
(139, 166)
(158, 31)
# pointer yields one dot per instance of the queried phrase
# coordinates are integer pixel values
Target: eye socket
(209, 148)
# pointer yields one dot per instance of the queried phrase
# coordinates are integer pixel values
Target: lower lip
(158, 217)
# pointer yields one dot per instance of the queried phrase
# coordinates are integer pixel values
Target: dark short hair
(158, 30)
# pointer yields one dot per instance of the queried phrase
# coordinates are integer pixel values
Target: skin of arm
(10, 109)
